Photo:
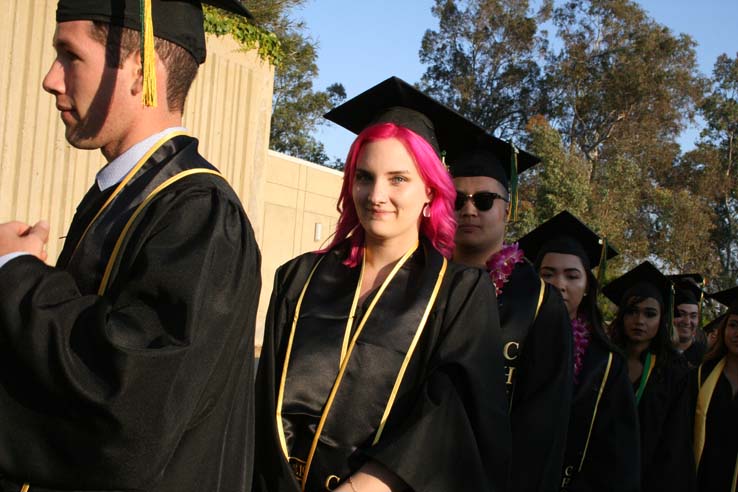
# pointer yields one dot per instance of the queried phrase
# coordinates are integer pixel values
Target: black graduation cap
(726, 297)
(688, 288)
(566, 234)
(396, 101)
(178, 21)
(481, 154)
(645, 280)
(714, 324)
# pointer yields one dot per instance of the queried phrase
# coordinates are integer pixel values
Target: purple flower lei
(582, 336)
(501, 264)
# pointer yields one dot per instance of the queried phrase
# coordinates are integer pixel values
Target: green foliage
(248, 35)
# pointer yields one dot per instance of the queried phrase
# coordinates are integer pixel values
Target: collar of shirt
(115, 170)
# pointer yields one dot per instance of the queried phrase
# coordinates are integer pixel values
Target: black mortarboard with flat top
(178, 21)
(395, 101)
(566, 234)
(481, 154)
(726, 297)
(645, 280)
(688, 288)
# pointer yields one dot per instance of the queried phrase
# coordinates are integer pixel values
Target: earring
(426, 211)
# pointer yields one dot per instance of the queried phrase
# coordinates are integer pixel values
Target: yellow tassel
(149, 56)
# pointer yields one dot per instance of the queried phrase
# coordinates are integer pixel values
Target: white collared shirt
(114, 171)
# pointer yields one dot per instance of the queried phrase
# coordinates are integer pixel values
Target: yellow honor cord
(148, 55)
(704, 396)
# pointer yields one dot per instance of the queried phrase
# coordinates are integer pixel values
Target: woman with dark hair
(381, 363)
(642, 329)
(602, 442)
(714, 385)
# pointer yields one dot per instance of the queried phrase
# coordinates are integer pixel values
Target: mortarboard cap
(396, 101)
(178, 21)
(481, 154)
(726, 297)
(645, 280)
(566, 234)
(714, 324)
(688, 288)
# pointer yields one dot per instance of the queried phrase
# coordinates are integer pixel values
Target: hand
(20, 237)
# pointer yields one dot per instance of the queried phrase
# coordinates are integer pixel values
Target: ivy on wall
(248, 35)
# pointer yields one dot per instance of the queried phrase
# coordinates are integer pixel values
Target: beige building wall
(299, 216)
(41, 176)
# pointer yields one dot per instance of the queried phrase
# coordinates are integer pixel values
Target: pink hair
(439, 228)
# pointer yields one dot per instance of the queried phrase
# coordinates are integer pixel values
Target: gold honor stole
(704, 396)
(320, 420)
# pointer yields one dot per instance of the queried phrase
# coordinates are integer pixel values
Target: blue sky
(363, 42)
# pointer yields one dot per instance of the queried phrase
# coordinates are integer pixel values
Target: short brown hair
(122, 42)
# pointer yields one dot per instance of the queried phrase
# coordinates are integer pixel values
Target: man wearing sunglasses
(535, 325)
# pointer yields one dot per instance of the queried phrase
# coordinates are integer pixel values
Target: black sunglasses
(482, 200)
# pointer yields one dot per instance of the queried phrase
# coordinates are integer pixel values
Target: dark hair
(661, 344)
(122, 42)
(719, 350)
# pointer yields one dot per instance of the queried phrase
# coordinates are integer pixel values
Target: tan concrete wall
(41, 176)
(297, 196)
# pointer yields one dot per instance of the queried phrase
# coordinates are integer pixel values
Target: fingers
(41, 230)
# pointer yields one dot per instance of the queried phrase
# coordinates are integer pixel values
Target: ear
(429, 194)
(134, 68)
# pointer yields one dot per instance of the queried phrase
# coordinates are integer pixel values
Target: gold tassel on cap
(148, 55)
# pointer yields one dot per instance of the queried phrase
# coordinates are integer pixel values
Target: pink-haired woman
(379, 363)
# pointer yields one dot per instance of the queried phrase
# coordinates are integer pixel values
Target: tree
(297, 108)
(711, 169)
(619, 77)
(482, 61)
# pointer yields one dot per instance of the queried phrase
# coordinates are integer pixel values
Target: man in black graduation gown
(687, 300)
(536, 331)
(129, 365)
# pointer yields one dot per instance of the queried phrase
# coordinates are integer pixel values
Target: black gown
(603, 445)
(667, 461)
(447, 428)
(537, 347)
(695, 353)
(149, 385)
(718, 466)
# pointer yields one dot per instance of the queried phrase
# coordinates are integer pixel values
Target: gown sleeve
(456, 435)
(97, 392)
(542, 399)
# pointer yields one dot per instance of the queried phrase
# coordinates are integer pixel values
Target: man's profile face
(479, 230)
(685, 321)
(90, 95)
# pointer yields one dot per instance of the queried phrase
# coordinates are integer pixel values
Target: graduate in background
(129, 365)
(642, 329)
(688, 298)
(714, 386)
(536, 332)
(602, 440)
(382, 364)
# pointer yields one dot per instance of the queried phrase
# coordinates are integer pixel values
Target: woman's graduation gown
(667, 462)
(424, 399)
(603, 445)
(717, 469)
